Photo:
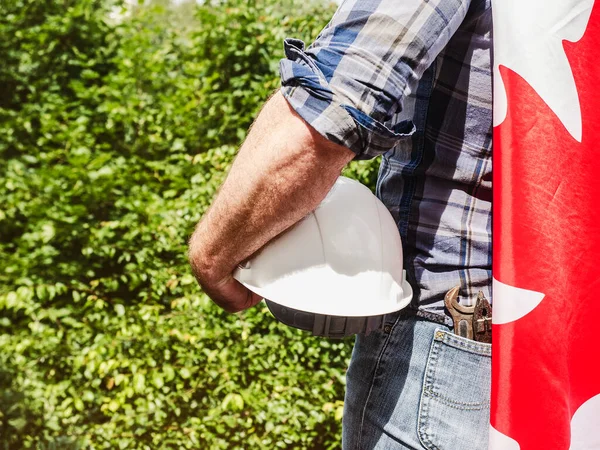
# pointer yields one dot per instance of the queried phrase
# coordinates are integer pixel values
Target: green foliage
(114, 137)
(364, 171)
(242, 49)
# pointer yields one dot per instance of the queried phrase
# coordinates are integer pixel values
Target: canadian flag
(546, 318)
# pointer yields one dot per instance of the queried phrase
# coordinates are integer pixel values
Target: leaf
(113, 405)
(139, 382)
(119, 309)
(158, 380)
(78, 404)
(18, 423)
(233, 402)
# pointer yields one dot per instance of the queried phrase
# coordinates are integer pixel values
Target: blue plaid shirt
(410, 80)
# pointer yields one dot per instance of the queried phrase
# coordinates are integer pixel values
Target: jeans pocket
(455, 400)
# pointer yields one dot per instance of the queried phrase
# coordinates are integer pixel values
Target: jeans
(416, 385)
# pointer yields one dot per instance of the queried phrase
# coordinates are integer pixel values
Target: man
(409, 80)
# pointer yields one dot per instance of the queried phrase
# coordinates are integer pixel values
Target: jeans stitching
(464, 406)
(422, 433)
(479, 348)
(383, 348)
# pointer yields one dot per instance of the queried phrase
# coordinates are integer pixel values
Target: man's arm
(350, 85)
(282, 172)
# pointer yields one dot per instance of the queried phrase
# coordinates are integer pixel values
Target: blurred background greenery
(117, 125)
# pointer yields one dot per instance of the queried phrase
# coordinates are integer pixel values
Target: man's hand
(217, 281)
(282, 172)
(230, 294)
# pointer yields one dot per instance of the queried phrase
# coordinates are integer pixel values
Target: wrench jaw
(471, 322)
(462, 315)
(482, 319)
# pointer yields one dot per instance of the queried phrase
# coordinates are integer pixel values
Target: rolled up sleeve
(352, 82)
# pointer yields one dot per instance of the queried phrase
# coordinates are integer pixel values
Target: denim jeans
(416, 385)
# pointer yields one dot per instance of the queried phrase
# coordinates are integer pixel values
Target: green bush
(115, 134)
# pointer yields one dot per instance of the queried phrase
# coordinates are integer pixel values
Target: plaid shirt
(410, 80)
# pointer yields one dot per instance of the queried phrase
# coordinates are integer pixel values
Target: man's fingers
(232, 296)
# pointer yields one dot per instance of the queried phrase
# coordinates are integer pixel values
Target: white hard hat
(342, 261)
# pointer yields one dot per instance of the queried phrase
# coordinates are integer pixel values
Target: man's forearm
(282, 172)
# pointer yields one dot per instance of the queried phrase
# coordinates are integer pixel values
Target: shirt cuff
(310, 94)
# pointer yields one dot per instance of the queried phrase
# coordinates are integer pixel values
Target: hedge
(117, 125)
